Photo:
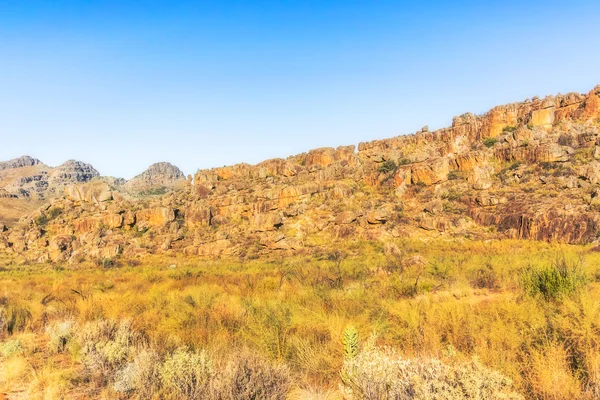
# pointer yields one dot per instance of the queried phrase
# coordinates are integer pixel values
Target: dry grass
(93, 332)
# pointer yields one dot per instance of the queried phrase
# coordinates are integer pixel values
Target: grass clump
(553, 282)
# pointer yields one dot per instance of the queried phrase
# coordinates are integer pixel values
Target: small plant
(455, 175)
(13, 318)
(382, 374)
(106, 346)
(41, 220)
(509, 129)
(489, 142)
(388, 166)
(60, 334)
(54, 212)
(350, 341)
(514, 166)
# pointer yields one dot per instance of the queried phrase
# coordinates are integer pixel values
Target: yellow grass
(293, 312)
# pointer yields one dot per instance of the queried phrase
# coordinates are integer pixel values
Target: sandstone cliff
(525, 170)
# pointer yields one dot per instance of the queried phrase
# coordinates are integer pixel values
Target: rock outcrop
(524, 170)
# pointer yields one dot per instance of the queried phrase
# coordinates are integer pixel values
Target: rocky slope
(526, 170)
(27, 184)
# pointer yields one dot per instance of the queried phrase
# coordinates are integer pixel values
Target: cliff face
(524, 170)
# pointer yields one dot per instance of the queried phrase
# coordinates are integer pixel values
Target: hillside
(525, 170)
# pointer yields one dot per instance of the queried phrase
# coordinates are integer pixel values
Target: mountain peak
(20, 162)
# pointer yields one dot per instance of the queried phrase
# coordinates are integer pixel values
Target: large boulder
(430, 172)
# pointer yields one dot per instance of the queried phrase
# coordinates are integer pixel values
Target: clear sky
(122, 84)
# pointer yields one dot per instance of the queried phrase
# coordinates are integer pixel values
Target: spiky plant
(350, 341)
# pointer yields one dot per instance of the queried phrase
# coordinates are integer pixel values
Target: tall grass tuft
(555, 281)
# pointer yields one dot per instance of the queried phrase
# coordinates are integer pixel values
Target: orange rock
(543, 117)
(592, 104)
(429, 173)
(156, 217)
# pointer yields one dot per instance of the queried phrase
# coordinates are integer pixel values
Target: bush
(382, 374)
(41, 220)
(251, 377)
(553, 282)
(106, 346)
(54, 212)
(509, 129)
(454, 175)
(388, 166)
(141, 376)
(485, 278)
(60, 334)
(489, 142)
(188, 375)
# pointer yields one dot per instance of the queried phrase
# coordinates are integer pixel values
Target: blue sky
(123, 84)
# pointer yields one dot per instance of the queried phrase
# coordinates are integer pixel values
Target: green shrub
(388, 166)
(553, 282)
(41, 220)
(509, 129)
(454, 175)
(489, 142)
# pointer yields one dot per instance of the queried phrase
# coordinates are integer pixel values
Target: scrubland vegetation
(408, 320)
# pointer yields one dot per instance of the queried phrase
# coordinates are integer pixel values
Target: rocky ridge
(528, 170)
